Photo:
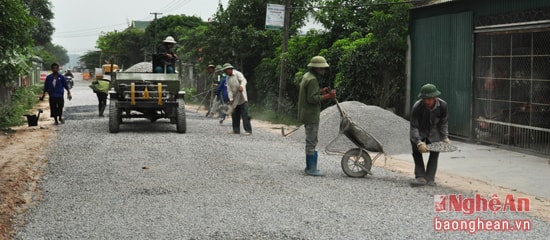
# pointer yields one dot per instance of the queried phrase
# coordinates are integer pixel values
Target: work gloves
(422, 147)
(330, 95)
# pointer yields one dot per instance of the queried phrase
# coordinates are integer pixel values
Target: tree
(91, 58)
(245, 41)
(124, 48)
(51, 53)
(171, 25)
(14, 44)
(300, 50)
(371, 62)
(40, 10)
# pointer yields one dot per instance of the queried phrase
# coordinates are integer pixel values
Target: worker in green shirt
(101, 89)
(309, 109)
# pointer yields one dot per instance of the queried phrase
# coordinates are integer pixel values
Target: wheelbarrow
(32, 120)
(356, 162)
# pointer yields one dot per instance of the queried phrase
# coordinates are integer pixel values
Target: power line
(174, 5)
(170, 7)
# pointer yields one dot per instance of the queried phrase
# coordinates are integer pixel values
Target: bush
(190, 95)
(22, 100)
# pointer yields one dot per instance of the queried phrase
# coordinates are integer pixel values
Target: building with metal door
(491, 61)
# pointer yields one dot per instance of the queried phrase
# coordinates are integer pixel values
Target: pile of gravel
(390, 130)
(141, 67)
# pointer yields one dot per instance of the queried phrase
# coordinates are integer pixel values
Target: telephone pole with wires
(155, 36)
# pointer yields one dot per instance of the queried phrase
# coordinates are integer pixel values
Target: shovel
(288, 133)
(441, 147)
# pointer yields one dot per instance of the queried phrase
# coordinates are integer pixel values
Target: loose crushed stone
(149, 182)
(141, 67)
(391, 130)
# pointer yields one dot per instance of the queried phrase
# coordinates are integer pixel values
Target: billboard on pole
(275, 17)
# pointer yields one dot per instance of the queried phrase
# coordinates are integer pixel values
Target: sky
(78, 23)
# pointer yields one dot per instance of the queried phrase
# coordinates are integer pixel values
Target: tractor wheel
(181, 124)
(114, 117)
(355, 161)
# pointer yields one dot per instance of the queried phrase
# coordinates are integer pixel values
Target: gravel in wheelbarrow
(357, 134)
(356, 162)
(390, 129)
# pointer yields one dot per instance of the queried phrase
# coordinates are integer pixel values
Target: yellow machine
(105, 70)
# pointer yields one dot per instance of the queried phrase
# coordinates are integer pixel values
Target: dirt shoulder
(23, 158)
(21, 163)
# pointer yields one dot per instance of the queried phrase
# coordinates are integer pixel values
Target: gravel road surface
(149, 182)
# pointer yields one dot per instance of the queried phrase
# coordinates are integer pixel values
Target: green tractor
(146, 95)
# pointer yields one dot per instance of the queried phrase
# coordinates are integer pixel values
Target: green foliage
(190, 95)
(23, 99)
(51, 53)
(171, 25)
(45, 55)
(132, 46)
(41, 14)
(342, 17)
(191, 45)
(41, 11)
(14, 66)
(370, 62)
(300, 50)
(14, 43)
(124, 48)
(238, 35)
(365, 46)
(91, 58)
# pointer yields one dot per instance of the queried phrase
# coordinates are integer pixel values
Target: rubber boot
(308, 163)
(311, 165)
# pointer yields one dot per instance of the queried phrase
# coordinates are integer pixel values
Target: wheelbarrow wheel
(355, 161)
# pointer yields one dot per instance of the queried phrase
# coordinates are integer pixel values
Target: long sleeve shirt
(233, 83)
(309, 99)
(431, 124)
(54, 86)
(221, 90)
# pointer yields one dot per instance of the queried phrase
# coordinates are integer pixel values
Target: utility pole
(155, 37)
(282, 77)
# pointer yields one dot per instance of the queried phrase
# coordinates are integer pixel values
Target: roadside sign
(275, 17)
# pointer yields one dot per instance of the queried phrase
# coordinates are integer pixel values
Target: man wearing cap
(309, 109)
(238, 99)
(429, 124)
(167, 57)
(212, 76)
